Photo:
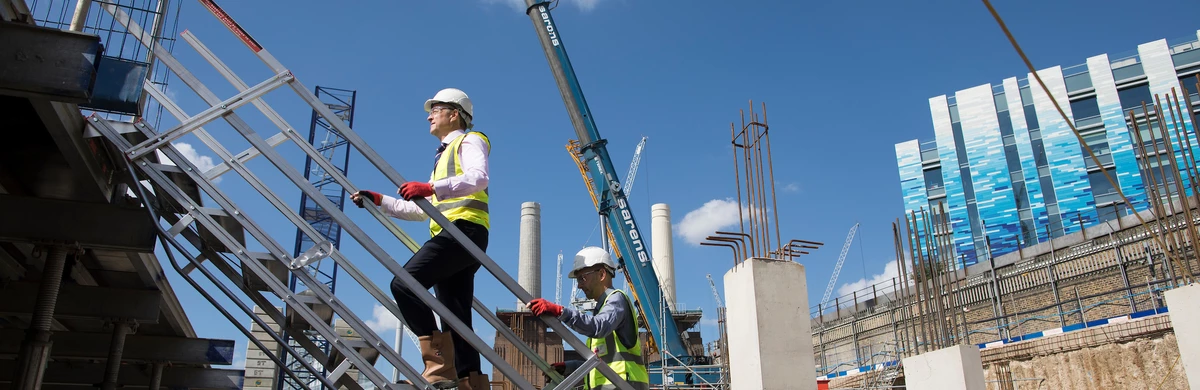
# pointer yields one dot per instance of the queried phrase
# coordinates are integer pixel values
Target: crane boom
(837, 269)
(633, 165)
(631, 248)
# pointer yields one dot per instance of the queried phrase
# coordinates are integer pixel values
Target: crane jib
(630, 241)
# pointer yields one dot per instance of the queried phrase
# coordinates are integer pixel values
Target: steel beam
(151, 273)
(87, 158)
(10, 268)
(48, 63)
(76, 301)
(92, 225)
(87, 374)
(138, 348)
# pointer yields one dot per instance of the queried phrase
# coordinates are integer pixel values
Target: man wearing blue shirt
(611, 328)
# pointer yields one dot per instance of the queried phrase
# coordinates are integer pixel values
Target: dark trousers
(446, 266)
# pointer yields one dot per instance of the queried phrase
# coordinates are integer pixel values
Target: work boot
(479, 381)
(437, 350)
(474, 381)
(464, 383)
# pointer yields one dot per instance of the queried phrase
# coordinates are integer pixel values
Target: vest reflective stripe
(629, 363)
(473, 207)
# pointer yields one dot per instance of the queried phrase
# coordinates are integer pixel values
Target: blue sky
(843, 82)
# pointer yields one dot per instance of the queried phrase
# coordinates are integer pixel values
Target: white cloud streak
(710, 217)
(714, 215)
(889, 271)
(382, 320)
(201, 161)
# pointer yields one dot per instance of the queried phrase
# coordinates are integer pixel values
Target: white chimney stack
(529, 274)
(662, 251)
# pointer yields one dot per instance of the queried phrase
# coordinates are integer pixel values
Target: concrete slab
(955, 368)
(768, 326)
(1184, 304)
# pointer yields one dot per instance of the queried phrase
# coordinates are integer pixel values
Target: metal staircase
(217, 235)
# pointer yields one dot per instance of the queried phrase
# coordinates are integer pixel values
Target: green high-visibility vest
(628, 362)
(473, 207)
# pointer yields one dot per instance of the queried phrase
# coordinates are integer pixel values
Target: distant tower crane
(573, 147)
(838, 268)
(633, 165)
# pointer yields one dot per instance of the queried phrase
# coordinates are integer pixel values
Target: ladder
(216, 235)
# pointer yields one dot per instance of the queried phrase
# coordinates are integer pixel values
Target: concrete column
(1185, 309)
(768, 326)
(529, 273)
(662, 250)
(955, 368)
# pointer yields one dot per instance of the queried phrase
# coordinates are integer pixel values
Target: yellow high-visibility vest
(473, 207)
(628, 362)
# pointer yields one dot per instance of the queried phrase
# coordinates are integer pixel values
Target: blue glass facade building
(1011, 173)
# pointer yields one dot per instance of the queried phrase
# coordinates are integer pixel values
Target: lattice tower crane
(838, 268)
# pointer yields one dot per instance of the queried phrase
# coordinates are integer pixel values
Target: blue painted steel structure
(333, 147)
(631, 243)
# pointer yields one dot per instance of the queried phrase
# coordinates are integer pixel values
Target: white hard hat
(453, 96)
(590, 256)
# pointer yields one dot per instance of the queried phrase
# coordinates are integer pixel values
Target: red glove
(411, 190)
(541, 306)
(375, 198)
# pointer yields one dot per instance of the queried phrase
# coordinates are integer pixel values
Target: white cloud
(585, 5)
(712, 216)
(889, 271)
(202, 162)
(792, 187)
(382, 321)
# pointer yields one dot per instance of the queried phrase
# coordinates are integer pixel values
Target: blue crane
(631, 247)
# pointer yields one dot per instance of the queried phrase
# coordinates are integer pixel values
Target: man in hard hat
(458, 188)
(611, 328)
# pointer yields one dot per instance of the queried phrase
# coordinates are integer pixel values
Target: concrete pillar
(768, 326)
(1184, 303)
(529, 272)
(955, 368)
(662, 250)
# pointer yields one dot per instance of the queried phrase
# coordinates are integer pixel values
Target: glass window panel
(1031, 119)
(1021, 196)
(1128, 72)
(1085, 108)
(1100, 185)
(1001, 102)
(933, 178)
(1079, 81)
(1133, 97)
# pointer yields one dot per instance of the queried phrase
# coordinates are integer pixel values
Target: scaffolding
(216, 236)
